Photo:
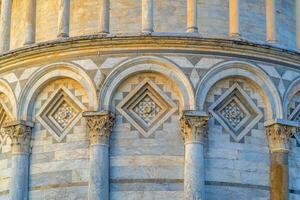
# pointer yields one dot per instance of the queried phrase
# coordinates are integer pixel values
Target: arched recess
(146, 64)
(293, 89)
(244, 70)
(50, 73)
(7, 91)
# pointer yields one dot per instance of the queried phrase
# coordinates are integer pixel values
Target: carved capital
(278, 136)
(20, 134)
(194, 127)
(99, 125)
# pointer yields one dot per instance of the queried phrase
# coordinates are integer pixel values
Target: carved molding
(194, 127)
(20, 135)
(99, 126)
(278, 136)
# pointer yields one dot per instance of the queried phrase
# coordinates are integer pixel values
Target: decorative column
(147, 16)
(298, 23)
(271, 21)
(234, 18)
(20, 135)
(278, 136)
(191, 24)
(30, 22)
(99, 125)
(63, 19)
(104, 16)
(194, 129)
(5, 25)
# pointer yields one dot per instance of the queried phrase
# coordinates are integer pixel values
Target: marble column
(271, 21)
(104, 16)
(63, 19)
(147, 16)
(191, 24)
(194, 129)
(278, 136)
(298, 23)
(30, 22)
(234, 18)
(99, 126)
(5, 25)
(20, 134)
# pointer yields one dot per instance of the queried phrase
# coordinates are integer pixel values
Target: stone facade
(150, 99)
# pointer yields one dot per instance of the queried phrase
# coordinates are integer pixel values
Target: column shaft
(298, 23)
(20, 176)
(30, 22)
(279, 175)
(99, 172)
(104, 16)
(194, 129)
(20, 135)
(278, 136)
(271, 21)
(64, 19)
(5, 25)
(192, 25)
(234, 18)
(147, 16)
(194, 171)
(99, 125)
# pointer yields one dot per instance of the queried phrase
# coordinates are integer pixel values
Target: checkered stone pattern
(5, 147)
(229, 161)
(64, 163)
(152, 163)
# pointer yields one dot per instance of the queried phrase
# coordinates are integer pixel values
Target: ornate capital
(99, 125)
(20, 135)
(278, 136)
(194, 126)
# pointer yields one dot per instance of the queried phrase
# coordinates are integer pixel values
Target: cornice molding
(101, 44)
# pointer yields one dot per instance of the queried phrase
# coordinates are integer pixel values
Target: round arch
(246, 70)
(146, 64)
(47, 74)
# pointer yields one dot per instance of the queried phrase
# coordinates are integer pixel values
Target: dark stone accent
(155, 180)
(279, 176)
(240, 185)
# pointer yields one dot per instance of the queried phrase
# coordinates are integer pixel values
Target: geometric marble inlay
(5, 116)
(146, 107)
(236, 112)
(60, 113)
(295, 116)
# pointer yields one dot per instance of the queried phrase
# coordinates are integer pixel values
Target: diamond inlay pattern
(236, 112)
(233, 114)
(147, 109)
(64, 114)
(60, 113)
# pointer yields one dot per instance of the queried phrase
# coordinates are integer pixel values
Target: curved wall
(169, 17)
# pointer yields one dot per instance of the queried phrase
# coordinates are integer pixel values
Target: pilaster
(192, 24)
(63, 18)
(147, 16)
(5, 24)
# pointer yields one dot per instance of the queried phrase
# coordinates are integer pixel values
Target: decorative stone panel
(60, 113)
(5, 116)
(294, 114)
(236, 112)
(146, 107)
